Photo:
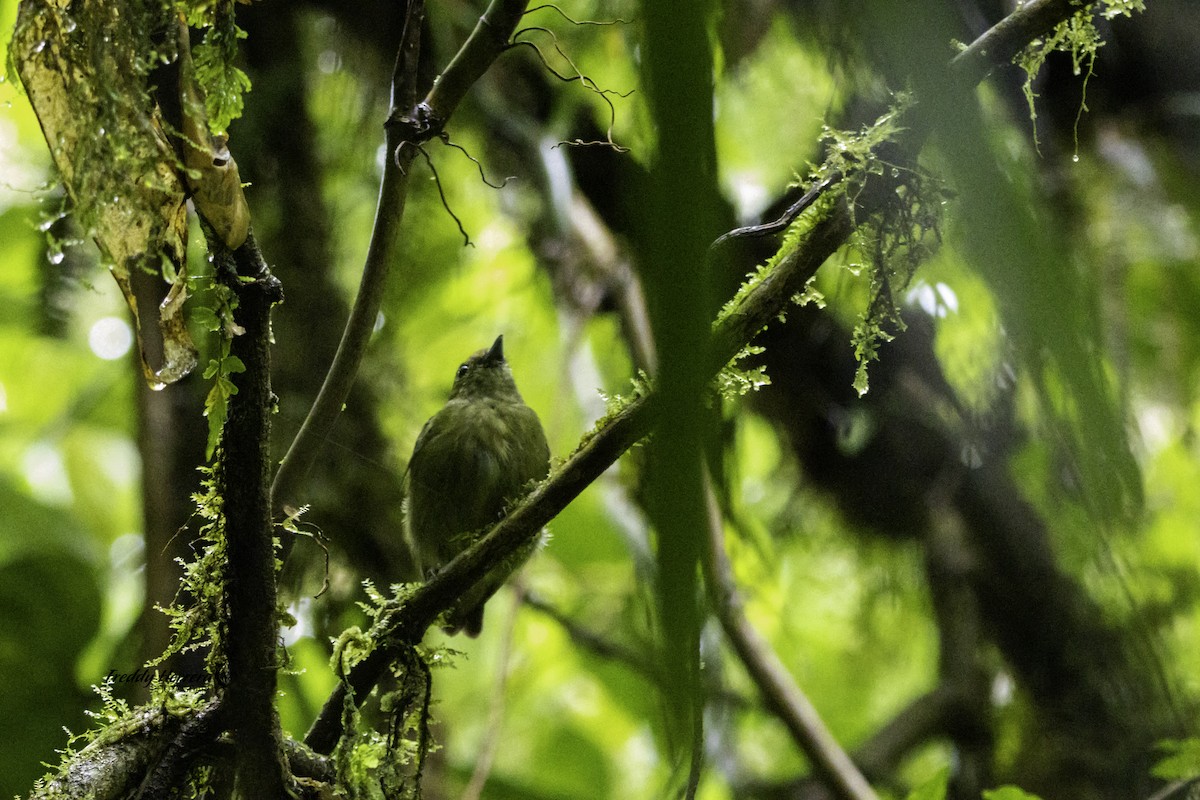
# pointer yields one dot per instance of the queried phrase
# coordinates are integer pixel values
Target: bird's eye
(461, 371)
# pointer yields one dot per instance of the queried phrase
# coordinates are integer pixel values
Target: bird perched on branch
(471, 460)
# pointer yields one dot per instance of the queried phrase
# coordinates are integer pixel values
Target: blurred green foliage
(848, 613)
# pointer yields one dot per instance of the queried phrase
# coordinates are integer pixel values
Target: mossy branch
(144, 753)
(1001, 43)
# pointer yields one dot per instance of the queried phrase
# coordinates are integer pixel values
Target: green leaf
(216, 408)
(206, 318)
(934, 788)
(1008, 793)
(1181, 762)
(223, 83)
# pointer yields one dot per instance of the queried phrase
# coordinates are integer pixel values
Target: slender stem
(381, 253)
(679, 217)
(783, 696)
(393, 191)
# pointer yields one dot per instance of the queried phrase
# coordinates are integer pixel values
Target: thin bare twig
(781, 223)
(783, 696)
(932, 714)
(573, 21)
(578, 77)
(445, 139)
(437, 180)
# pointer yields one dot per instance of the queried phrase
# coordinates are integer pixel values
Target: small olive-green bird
(471, 460)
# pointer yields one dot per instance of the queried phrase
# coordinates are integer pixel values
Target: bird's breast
(482, 445)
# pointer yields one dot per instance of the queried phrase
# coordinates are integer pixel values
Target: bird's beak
(496, 353)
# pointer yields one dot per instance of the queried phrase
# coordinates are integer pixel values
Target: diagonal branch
(783, 696)
(1001, 43)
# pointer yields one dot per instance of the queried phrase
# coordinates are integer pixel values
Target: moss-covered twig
(1001, 43)
(114, 763)
(146, 753)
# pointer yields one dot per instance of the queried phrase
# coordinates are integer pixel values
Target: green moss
(201, 625)
(1078, 37)
(222, 81)
(892, 241)
(734, 381)
(94, 73)
(386, 760)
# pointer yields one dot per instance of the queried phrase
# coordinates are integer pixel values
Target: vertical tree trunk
(245, 486)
